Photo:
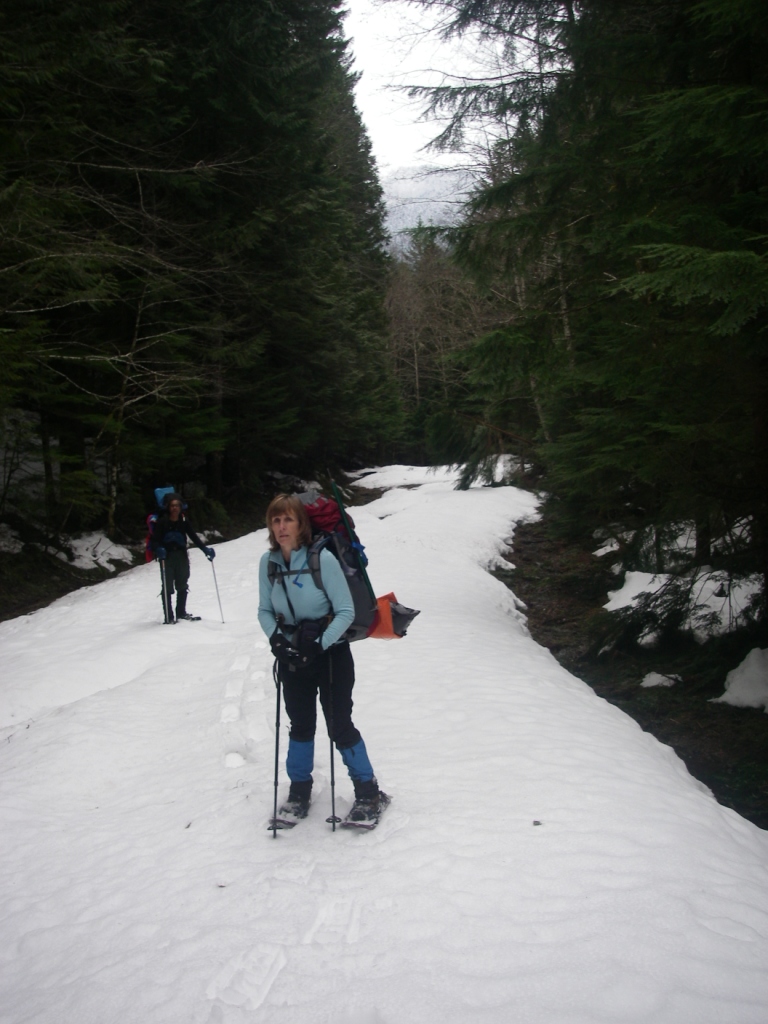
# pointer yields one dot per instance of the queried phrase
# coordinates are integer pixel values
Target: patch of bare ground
(564, 587)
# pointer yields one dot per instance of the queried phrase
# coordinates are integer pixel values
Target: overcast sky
(393, 47)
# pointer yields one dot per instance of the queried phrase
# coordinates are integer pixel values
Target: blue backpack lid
(161, 493)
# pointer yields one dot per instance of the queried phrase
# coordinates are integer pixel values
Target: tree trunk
(539, 409)
(49, 490)
(114, 472)
(215, 459)
(703, 553)
(567, 336)
(119, 418)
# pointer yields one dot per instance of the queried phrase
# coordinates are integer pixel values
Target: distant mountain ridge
(432, 196)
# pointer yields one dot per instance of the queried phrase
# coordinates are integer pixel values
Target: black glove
(308, 651)
(283, 649)
(160, 553)
(310, 632)
(209, 553)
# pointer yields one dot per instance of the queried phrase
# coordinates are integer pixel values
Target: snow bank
(405, 476)
(657, 679)
(746, 686)
(97, 549)
(10, 542)
(635, 584)
(716, 602)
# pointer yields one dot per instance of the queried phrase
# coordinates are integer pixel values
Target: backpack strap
(328, 540)
(275, 573)
(313, 561)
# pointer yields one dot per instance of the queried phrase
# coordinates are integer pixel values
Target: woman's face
(286, 530)
(175, 510)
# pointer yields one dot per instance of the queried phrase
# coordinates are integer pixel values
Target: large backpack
(333, 529)
(161, 496)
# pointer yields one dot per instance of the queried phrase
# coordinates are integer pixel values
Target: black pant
(300, 689)
(176, 578)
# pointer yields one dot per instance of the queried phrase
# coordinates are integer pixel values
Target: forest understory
(564, 588)
(33, 579)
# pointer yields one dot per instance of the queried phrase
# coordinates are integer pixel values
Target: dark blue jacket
(173, 536)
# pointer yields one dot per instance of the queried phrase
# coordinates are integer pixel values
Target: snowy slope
(140, 885)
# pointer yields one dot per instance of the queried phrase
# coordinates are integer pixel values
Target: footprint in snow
(246, 980)
(230, 713)
(337, 918)
(234, 687)
(369, 1015)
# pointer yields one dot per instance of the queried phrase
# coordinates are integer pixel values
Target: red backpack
(383, 617)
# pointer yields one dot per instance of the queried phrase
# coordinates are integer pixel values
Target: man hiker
(169, 544)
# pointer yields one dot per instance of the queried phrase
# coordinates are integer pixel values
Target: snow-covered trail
(141, 886)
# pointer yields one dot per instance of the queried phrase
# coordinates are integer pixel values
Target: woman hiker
(304, 626)
(169, 543)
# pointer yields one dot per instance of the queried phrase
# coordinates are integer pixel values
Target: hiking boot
(296, 806)
(293, 811)
(369, 802)
(290, 814)
(300, 792)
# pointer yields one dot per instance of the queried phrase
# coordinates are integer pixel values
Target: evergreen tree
(192, 249)
(628, 206)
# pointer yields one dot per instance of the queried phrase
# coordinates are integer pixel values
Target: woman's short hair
(282, 503)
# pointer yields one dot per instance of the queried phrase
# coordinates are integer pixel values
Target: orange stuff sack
(392, 619)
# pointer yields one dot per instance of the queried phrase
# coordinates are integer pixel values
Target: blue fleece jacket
(308, 601)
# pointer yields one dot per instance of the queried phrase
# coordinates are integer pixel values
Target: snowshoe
(188, 617)
(366, 812)
(290, 814)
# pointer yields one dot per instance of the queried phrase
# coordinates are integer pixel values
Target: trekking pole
(333, 819)
(276, 677)
(165, 591)
(216, 582)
